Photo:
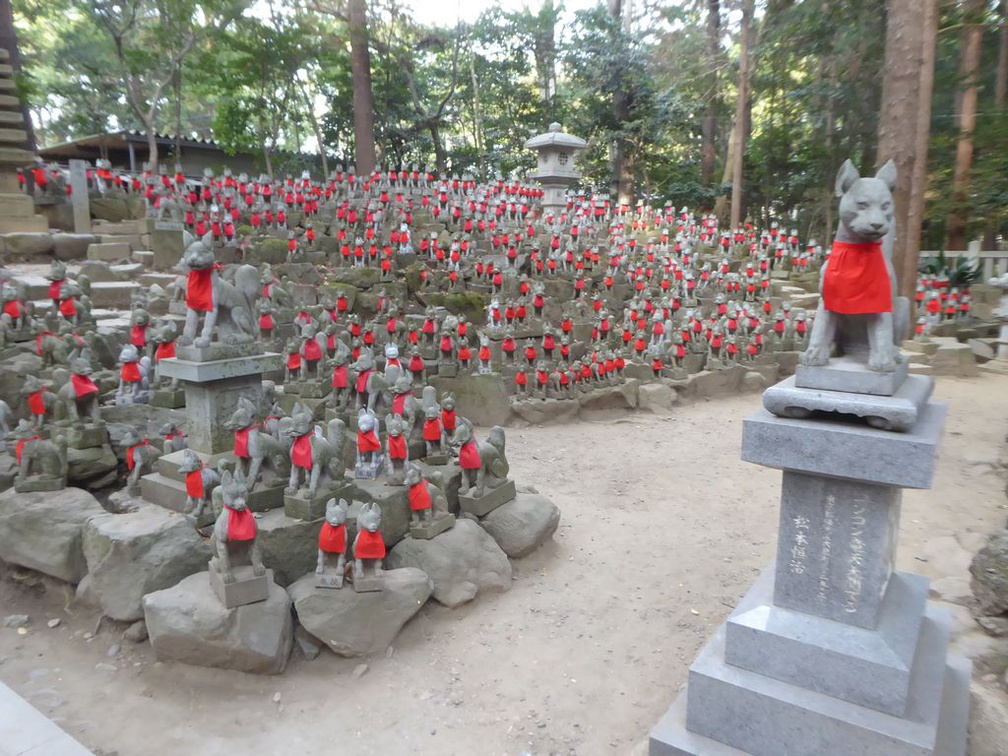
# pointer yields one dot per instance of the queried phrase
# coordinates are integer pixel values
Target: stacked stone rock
(17, 212)
(832, 651)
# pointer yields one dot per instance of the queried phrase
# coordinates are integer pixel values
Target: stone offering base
(369, 583)
(329, 578)
(898, 412)
(166, 485)
(168, 398)
(447, 370)
(849, 375)
(247, 588)
(313, 388)
(435, 527)
(365, 471)
(39, 483)
(435, 459)
(86, 436)
(489, 501)
(300, 506)
(217, 351)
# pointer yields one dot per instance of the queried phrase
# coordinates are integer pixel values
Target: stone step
(24, 225)
(11, 117)
(133, 240)
(13, 136)
(9, 101)
(8, 85)
(6, 69)
(145, 257)
(16, 206)
(4, 54)
(108, 251)
(113, 294)
(161, 279)
(14, 155)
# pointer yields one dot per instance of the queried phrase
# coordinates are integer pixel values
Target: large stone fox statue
(226, 306)
(859, 311)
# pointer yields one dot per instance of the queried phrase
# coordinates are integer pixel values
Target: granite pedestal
(480, 506)
(831, 652)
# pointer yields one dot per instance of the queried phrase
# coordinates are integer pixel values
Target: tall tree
(620, 154)
(713, 28)
(973, 13)
(1001, 77)
(740, 132)
(905, 122)
(363, 98)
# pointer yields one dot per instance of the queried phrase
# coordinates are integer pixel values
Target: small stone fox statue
(332, 543)
(369, 549)
(234, 533)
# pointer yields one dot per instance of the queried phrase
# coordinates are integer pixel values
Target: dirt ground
(663, 530)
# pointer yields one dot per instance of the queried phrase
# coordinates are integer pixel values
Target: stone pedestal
(246, 588)
(492, 498)
(831, 652)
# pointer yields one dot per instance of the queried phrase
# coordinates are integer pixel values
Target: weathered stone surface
(24, 247)
(130, 555)
(289, 547)
(44, 530)
(988, 720)
(462, 562)
(623, 396)
(358, 624)
(656, 397)
(483, 396)
(72, 246)
(91, 468)
(989, 571)
(187, 623)
(359, 278)
(953, 358)
(753, 381)
(546, 411)
(523, 524)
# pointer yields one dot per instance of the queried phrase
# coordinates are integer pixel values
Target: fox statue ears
(848, 174)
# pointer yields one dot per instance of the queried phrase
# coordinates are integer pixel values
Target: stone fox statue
(234, 534)
(859, 311)
(483, 462)
(226, 306)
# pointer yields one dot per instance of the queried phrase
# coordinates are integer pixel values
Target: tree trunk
(267, 160)
(907, 85)
(177, 87)
(721, 204)
(1001, 80)
(709, 127)
(620, 161)
(477, 106)
(972, 40)
(363, 97)
(152, 147)
(741, 114)
(440, 157)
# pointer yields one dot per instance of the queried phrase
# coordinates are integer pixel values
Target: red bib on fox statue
(301, 452)
(241, 525)
(332, 539)
(857, 281)
(199, 290)
(419, 497)
(369, 546)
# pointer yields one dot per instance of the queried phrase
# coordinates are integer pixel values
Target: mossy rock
(244, 231)
(362, 278)
(269, 250)
(470, 303)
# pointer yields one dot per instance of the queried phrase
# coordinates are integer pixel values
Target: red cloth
(312, 350)
(265, 322)
(19, 448)
(419, 497)
(194, 484)
(448, 420)
(857, 281)
(199, 290)
(339, 377)
(82, 386)
(130, 372)
(432, 430)
(68, 308)
(397, 447)
(399, 404)
(36, 404)
(362, 380)
(469, 458)
(54, 289)
(241, 525)
(368, 442)
(416, 364)
(294, 361)
(241, 442)
(138, 336)
(165, 351)
(332, 539)
(301, 452)
(130, 462)
(369, 545)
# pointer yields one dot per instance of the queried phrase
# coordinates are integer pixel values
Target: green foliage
(961, 272)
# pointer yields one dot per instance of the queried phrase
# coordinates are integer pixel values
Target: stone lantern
(555, 171)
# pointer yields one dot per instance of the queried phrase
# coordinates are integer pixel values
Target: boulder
(484, 396)
(188, 623)
(44, 530)
(656, 397)
(289, 547)
(753, 381)
(269, 250)
(25, 247)
(546, 411)
(92, 468)
(358, 624)
(129, 555)
(623, 396)
(989, 569)
(523, 524)
(72, 246)
(359, 278)
(110, 209)
(462, 562)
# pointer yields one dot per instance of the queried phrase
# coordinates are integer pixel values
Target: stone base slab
(214, 352)
(428, 530)
(39, 483)
(329, 578)
(205, 371)
(489, 501)
(369, 584)
(898, 412)
(299, 506)
(168, 398)
(852, 376)
(247, 588)
(846, 450)
(867, 667)
(87, 436)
